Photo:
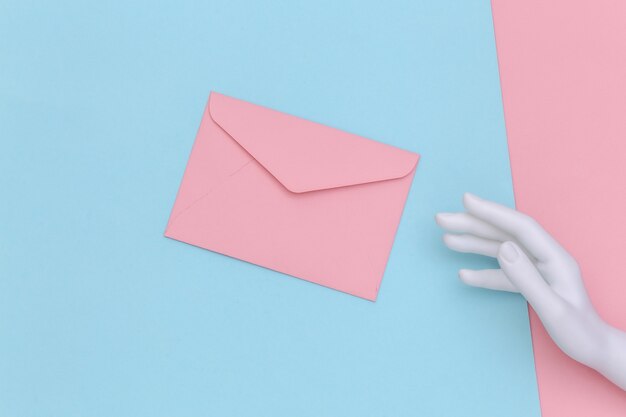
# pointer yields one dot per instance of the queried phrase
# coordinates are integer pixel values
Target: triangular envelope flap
(307, 156)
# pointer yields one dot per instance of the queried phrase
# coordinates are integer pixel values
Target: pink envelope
(292, 195)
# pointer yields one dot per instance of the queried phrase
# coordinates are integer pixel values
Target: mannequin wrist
(612, 356)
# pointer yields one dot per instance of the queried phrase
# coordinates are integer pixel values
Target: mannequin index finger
(519, 225)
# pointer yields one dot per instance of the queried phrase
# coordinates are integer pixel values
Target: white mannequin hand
(535, 265)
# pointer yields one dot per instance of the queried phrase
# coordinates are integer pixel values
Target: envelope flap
(306, 156)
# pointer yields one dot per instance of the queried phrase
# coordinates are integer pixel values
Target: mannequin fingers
(471, 244)
(466, 223)
(522, 227)
(491, 279)
(526, 278)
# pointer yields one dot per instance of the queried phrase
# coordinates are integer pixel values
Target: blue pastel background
(100, 315)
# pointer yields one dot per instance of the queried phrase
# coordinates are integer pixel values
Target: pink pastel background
(563, 74)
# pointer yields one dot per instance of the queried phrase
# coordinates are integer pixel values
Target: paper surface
(100, 104)
(562, 68)
(292, 195)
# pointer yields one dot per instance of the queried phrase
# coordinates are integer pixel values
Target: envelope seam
(203, 196)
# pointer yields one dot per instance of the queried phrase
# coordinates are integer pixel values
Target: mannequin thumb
(523, 274)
